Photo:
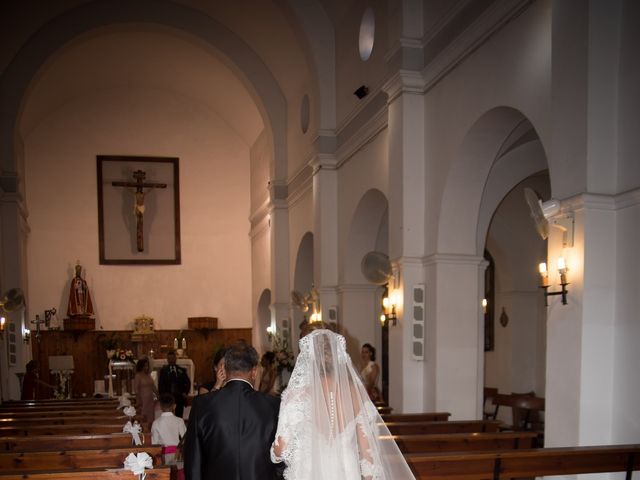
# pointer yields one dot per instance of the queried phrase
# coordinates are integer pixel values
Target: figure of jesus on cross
(139, 194)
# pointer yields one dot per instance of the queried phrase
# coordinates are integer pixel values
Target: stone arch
(246, 63)
(369, 230)
(264, 318)
(481, 175)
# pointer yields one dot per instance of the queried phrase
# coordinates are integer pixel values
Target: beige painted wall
(215, 275)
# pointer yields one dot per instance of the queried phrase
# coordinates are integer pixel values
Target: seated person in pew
(31, 381)
(167, 430)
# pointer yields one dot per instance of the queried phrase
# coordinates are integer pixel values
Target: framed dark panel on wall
(138, 210)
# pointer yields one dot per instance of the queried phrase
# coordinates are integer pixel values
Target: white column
(279, 250)
(407, 195)
(13, 274)
(455, 333)
(580, 335)
(325, 235)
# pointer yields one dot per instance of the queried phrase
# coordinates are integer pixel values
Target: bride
(328, 427)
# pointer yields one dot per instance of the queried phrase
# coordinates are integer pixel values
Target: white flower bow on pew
(123, 401)
(130, 411)
(134, 429)
(138, 463)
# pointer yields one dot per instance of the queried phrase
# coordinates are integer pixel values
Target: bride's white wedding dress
(328, 428)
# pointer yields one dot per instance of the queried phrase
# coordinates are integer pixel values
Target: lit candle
(175, 343)
(2, 322)
(484, 305)
(184, 343)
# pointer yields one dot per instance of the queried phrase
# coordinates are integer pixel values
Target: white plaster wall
(626, 381)
(629, 93)
(367, 169)
(215, 273)
(260, 274)
(261, 158)
(351, 71)
(513, 69)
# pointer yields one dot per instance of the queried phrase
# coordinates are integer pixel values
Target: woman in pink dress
(146, 390)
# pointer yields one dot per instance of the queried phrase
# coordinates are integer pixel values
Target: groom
(231, 430)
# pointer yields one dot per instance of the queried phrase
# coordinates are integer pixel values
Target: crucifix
(37, 322)
(138, 208)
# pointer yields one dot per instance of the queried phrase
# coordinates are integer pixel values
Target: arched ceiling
(152, 57)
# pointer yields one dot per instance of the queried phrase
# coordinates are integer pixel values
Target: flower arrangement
(121, 354)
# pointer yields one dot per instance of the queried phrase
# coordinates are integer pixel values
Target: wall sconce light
(271, 330)
(3, 321)
(26, 335)
(389, 303)
(484, 305)
(544, 280)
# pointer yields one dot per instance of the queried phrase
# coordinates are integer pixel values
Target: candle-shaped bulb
(484, 305)
(184, 343)
(385, 302)
(562, 269)
(544, 276)
(562, 266)
(175, 343)
(383, 318)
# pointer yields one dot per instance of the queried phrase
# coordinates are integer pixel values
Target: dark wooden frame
(103, 234)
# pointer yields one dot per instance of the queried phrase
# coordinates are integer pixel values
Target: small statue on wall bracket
(80, 307)
(504, 318)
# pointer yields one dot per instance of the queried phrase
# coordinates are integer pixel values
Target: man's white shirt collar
(241, 380)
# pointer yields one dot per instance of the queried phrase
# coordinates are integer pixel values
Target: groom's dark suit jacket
(229, 434)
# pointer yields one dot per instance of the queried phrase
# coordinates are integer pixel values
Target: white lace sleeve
(370, 468)
(293, 425)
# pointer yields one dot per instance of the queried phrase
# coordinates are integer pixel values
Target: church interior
(306, 160)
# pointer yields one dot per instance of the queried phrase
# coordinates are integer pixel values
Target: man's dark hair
(166, 402)
(240, 357)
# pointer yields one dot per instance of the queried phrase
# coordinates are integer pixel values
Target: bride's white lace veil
(328, 425)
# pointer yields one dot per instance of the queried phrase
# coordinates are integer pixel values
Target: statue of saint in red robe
(79, 296)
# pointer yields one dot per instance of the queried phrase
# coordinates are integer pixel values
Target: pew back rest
(15, 462)
(160, 473)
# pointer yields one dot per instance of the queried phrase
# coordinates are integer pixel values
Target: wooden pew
(60, 413)
(416, 417)
(73, 459)
(525, 463)
(456, 426)
(73, 401)
(158, 473)
(63, 420)
(12, 410)
(36, 430)
(524, 408)
(67, 442)
(464, 442)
